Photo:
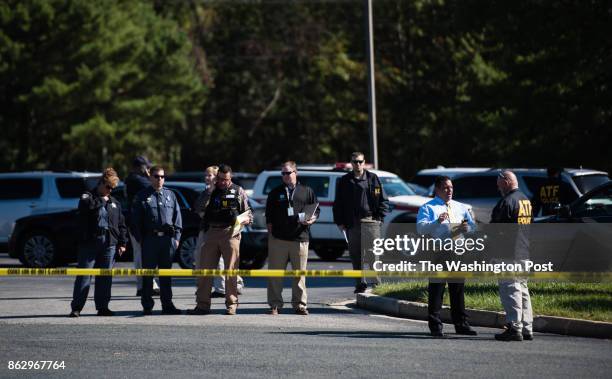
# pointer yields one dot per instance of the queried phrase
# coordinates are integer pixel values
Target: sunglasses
(159, 176)
(287, 173)
(358, 161)
(501, 176)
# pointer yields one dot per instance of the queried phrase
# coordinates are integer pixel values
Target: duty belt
(158, 233)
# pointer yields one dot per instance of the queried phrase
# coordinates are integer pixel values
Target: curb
(491, 319)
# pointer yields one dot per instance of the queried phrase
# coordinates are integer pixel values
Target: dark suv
(49, 239)
(479, 189)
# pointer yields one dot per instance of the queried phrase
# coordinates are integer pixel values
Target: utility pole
(371, 85)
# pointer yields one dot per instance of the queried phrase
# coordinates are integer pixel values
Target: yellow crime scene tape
(569, 276)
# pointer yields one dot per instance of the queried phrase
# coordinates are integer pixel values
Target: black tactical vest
(224, 206)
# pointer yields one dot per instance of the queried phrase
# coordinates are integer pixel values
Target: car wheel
(38, 250)
(329, 253)
(186, 251)
(254, 264)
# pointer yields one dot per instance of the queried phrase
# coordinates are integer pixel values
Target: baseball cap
(141, 160)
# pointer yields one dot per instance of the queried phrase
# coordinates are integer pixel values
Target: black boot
(510, 334)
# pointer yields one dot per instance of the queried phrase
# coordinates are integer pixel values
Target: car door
(19, 197)
(591, 247)
(324, 228)
(595, 207)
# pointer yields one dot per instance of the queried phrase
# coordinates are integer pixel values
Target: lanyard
(290, 197)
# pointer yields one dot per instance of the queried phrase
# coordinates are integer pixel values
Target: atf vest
(224, 206)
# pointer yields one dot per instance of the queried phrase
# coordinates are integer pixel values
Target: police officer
(515, 208)
(551, 194)
(136, 181)
(200, 206)
(442, 217)
(227, 202)
(360, 207)
(157, 225)
(288, 234)
(102, 232)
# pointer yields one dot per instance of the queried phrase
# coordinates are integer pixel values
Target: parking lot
(336, 339)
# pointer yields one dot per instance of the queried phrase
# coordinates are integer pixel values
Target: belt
(158, 233)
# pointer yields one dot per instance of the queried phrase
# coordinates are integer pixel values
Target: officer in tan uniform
(200, 207)
(227, 202)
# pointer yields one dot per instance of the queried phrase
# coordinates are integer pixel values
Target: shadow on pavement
(370, 334)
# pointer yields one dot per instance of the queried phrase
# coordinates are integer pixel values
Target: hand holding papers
(242, 219)
(307, 216)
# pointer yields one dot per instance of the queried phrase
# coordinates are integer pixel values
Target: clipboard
(310, 210)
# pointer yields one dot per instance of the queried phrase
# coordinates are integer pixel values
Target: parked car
(426, 177)
(245, 180)
(578, 237)
(480, 190)
(326, 239)
(49, 239)
(39, 192)
(418, 189)
(593, 207)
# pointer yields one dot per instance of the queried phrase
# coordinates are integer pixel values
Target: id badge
(290, 211)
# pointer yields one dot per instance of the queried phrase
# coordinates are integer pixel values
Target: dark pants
(157, 252)
(436, 293)
(96, 254)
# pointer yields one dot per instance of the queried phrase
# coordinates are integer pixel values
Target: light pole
(371, 85)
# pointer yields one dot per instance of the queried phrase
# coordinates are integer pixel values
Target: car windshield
(246, 183)
(424, 180)
(585, 183)
(396, 187)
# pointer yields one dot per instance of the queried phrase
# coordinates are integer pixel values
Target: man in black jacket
(514, 208)
(552, 194)
(290, 210)
(135, 182)
(103, 232)
(360, 208)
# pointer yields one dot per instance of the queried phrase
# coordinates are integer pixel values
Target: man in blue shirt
(157, 226)
(444, 218)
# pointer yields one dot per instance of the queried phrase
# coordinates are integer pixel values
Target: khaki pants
(219, 243)
(279, 253)
(514, 295)
(218, 281)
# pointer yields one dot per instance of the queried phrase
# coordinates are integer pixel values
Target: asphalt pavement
(336, 339)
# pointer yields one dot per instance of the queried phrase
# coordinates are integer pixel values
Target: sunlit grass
(590, 301)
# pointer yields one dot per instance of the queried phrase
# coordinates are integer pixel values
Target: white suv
(326, 239)
(26, 193)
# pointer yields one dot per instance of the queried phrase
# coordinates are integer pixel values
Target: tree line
(252, 83)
